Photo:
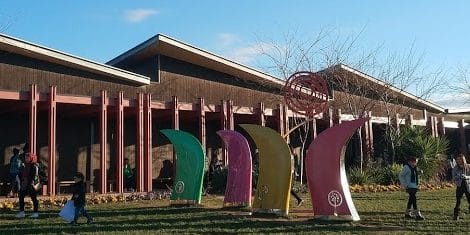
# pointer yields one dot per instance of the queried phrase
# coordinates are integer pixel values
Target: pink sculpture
(238, 187)
(326, 175)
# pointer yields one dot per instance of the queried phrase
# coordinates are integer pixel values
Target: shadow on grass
(184, 220)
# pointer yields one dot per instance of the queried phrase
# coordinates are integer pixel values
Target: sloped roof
(31, 50)
(399, 92)
(164, 45)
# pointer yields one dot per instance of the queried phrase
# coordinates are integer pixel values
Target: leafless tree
(327, 54)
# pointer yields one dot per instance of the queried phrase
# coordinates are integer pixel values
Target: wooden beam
(175, 124)
(119, 142)
(51, 144)
(103, 141)
(33, 106)
(139, 157)
(202, 123)
(148, 143)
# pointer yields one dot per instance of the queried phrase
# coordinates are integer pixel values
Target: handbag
(68, 211)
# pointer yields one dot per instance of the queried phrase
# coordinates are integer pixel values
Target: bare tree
(356, 92)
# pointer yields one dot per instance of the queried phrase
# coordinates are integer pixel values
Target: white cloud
(138, 15)
(247, 54)
(452, 100)
(226, 39)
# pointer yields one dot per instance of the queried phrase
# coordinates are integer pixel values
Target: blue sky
(101, 30)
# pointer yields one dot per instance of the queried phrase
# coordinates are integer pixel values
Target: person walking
(461, 177)
(409, 180)
(29, 181)
(15, 165)
(79, 199)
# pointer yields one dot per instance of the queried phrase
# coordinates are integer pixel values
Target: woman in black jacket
(29, 179)
(78, 198)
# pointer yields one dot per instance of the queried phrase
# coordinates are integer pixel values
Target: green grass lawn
(381, 213)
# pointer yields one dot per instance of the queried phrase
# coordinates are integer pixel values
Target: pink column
(175, 124)
(148, 143)
(103, 141)
(223, 126)
(139, 145)
(119, 142)
(202, 123)
(51, 144)
(33, 108)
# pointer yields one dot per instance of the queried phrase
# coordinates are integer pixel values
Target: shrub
(387, 175)
(415, 141)
(358, 177)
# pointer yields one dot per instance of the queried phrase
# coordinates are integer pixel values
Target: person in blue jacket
(409, 180)
(78, 198)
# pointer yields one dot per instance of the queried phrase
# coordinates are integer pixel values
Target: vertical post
(409, 120)
(261, 118)
(441, 127)
(368, 136)
(139, 145)
(175, 124)
(280, 119)
(51, 143)
(119, 142)
(313, 128)
(396, 122)
(285, 123)
(337, 117)
(33, 108)
(223, 126)
(436, 130)
(329, 117)
(202, 123)
(430, 125)
(230, 119)
(463, 141)
(148, 144)
(103, 141)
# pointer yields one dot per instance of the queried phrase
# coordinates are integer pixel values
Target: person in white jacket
(461, 177)
(409, 180)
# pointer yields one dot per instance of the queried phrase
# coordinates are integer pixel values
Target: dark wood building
(79, 115)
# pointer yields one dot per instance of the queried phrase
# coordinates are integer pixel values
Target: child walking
(78, 198)
(461, 177)
(409, 180)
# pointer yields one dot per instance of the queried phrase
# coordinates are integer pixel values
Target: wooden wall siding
(189, 89)
(17, 72)
(170, 65)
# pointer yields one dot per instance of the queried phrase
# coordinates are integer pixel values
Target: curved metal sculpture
(238, 187)
(275, 170)
(326, 175)
(189, 166)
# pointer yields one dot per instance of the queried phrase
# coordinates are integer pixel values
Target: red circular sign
(306, 93)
